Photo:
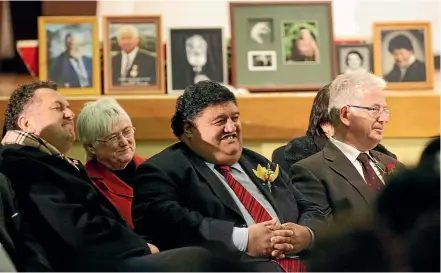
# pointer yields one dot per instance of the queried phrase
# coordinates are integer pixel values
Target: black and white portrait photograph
(354, 58)
(300, 44)
(70, 55)
(133, 53)
(261, 31)
(195, 55)
(262, 61)
(403, 55)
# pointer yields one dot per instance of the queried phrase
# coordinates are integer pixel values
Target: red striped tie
(259, 214)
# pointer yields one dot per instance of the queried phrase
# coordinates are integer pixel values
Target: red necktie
(258, 213)
(372, 179)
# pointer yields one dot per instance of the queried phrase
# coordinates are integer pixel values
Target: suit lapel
(213, 181)
(341, 165)
(248, 167)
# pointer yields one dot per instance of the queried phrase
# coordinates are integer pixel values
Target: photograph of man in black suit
(134, 62)
(72, 68)
(407, 66)
(196, 55)
(204, 189)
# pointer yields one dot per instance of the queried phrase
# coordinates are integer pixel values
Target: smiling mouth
(229, 136)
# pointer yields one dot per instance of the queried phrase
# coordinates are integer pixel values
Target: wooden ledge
(277, 117)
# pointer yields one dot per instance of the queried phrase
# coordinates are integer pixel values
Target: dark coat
(415, 73)
(191, 205)
(9, 219)
(146, 65)
(330, 180)
(76, 227)
(302, 147)
(62, 72)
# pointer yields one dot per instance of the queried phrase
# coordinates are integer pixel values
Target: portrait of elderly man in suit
(208, 187)
(132, 64)
(346, 175)
(407, 67)
(72, 68)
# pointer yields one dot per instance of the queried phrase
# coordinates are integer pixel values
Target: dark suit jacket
(75, 225)
(302, 147)
(146, 68)
(330, 180)
(63, 73)
(184, 75)
(415, 73)
(191, 205)
(9, 222)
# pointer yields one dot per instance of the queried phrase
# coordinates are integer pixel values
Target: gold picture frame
(137, 76)
(78, 72)
(404, 42)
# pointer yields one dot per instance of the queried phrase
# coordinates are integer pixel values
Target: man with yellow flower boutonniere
(207, 187)
(345, 177)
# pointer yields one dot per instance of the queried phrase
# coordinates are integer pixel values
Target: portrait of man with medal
(134, 63)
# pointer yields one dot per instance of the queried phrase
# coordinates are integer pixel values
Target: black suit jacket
(146, 68)
(75, 226)
(330, 180)
(415, 73)
(9, 222)
(190, 205)
(302, 147)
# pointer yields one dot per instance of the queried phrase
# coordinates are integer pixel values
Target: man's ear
(344, 114)
(187, 130)
(24, 124)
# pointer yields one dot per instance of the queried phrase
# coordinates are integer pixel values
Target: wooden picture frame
(354, 58)
(141, 71)
(277, 28)
(209, 41)
(69, 54)
(411, 42)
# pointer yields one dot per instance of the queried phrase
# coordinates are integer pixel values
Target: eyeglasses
(113, 139)
(375, 111)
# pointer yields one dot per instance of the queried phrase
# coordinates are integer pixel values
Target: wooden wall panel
(280, 117)
(69, 8)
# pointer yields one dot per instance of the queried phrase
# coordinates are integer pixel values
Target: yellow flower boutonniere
(267, 175)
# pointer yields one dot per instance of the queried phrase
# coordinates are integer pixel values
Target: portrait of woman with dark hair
(354, 62)
(354, 58)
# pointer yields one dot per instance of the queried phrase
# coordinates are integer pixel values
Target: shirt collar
(235, 166)
(133, 53)
(349, 151)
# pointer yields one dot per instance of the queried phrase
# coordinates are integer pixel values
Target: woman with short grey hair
(107, 135)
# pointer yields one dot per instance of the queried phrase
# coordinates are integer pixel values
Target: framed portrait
(282, 46)
(354, 58)
(193, 55)
(69, 54)
(133, 55)
(403, 54)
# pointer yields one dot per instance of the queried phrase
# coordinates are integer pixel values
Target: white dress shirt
(127, 61)
(352, 154)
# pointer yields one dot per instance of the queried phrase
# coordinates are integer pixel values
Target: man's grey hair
(349, 89)
(130, 29)
(96, 119)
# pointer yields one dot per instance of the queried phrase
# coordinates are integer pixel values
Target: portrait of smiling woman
(108, 137)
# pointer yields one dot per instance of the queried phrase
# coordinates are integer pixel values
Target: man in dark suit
(132, 65)
(70, 224)
(346, 175)
(207, 187)
(407, 68)
(71, 68)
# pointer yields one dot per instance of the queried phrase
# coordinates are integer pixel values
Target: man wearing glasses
(346, 175)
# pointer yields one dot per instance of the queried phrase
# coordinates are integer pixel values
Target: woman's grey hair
(96, 119)
(349, 89)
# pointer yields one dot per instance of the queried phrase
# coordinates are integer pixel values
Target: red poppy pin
(389, 168)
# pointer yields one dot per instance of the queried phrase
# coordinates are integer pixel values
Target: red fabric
(372, 179)
(28, 51)
(112, 187)
(259, 214)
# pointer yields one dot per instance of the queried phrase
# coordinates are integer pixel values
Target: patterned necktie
(372, 179)
(258, 213)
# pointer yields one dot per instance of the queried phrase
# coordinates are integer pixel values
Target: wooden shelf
(277, 117)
